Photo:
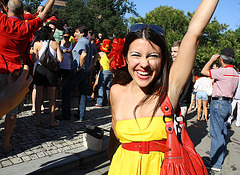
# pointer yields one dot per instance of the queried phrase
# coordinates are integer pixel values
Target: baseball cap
(228, 52)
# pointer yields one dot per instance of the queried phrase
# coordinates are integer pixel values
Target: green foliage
(215, 37)
(33, 4)
(172, 20)
(106, 16)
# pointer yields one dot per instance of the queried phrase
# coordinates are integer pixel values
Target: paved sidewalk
(199, 132)
(45, 150)
(39, 150)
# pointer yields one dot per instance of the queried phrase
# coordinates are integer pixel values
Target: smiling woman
(136, 102)
(144, 64)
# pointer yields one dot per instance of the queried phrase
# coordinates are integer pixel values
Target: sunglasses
(17, 72)
(137, 27)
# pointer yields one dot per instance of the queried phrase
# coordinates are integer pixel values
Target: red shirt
(28, 16)
(20, 31)
(35, 14)
(52, 18)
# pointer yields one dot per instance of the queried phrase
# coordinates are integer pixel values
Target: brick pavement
(34, 142)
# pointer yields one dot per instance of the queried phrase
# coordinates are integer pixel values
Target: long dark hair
(159, 86)
(43, 33)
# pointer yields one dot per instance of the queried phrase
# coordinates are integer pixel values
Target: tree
(215, 37)
(33, 4)
(172, 20)
(236, 37)
(210, 42)
(106, 16)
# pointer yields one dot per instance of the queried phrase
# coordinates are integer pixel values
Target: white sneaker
(229, 121)
(216, 169)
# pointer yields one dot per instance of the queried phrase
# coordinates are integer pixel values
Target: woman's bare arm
(113, 140)
(59, 53)
(183, 64)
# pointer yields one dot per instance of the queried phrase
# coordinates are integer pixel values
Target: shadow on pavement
(36, 142)
(197, 130)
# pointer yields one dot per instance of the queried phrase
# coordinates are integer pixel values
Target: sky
(228, 11)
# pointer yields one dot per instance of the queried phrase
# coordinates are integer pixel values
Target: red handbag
(182, 158)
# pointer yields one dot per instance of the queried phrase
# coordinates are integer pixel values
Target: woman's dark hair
(95, 37)
(59, 24)
(217, 64)
(159, 86)
(43, 33)
(71, 30)
(51, 22)
(198, 73)
(28, 9)
(66, 31)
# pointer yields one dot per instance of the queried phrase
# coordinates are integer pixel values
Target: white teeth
(143, 73)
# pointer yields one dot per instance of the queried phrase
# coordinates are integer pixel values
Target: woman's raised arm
(182, 66)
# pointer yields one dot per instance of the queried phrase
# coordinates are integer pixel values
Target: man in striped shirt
(224, 87)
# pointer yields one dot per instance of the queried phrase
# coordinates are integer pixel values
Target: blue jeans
(78, 79)
(104, 82)
(219, 111)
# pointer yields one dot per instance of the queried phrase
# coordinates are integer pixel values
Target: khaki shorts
(3, 85)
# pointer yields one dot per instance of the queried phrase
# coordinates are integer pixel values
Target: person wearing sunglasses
(147, 81)
(18, 30)
(66, 48)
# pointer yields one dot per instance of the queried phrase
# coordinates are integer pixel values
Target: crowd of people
(133, 75)
(27, 39)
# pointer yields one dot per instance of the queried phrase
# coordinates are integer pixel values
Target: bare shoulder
(54, 45)
(37, 45)
(117, 93)
(117, 90)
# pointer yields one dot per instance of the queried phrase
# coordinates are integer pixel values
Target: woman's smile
(142, 74)
(144, 61)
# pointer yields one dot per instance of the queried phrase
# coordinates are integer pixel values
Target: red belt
(146, 147)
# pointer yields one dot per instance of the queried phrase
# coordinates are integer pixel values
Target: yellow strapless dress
(126, 162)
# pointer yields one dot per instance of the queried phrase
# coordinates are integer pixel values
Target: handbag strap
(177, 120)
(48, 44)
(47, 47)
(48, 50)
(167, 108)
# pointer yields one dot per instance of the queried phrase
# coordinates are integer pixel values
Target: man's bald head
(15, 7)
